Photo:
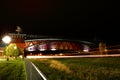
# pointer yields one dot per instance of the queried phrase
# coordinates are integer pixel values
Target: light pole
(6, 40)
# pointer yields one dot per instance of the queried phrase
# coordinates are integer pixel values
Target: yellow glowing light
(15, 47)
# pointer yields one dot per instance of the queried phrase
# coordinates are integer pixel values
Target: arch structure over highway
(35, 44)
(55, 45)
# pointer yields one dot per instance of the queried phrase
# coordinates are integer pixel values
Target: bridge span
(37, 45)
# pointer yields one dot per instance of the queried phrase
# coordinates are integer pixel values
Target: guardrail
(33, 73)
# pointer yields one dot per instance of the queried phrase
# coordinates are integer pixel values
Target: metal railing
(33, 73)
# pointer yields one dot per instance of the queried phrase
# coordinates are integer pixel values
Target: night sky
(78, 19)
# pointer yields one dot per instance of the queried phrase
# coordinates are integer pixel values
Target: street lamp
(6, 39)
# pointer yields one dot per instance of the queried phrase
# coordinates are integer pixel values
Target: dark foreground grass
(80, 68)
(12, 70)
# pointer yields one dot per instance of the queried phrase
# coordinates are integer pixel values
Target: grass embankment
(14, 69)
(80, 68)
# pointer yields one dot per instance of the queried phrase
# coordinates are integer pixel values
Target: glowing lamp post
(6, 39)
